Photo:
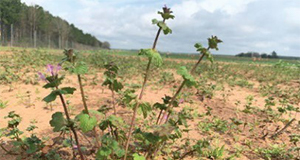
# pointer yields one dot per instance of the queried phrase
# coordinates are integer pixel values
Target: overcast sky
(243, 25)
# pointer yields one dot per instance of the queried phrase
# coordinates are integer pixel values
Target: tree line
(32, 26)
(258, 55)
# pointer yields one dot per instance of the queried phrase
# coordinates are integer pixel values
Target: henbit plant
(152, 55)
(23, 147)
(79, 68)
(188, 79)
(58, 121)
(149, 138)
(111, 81)
(275, 152)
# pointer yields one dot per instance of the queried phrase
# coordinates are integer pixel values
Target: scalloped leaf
(190, 81)
(80, 68)
(138, 157)
(166, 15)
(87, 123)
(51, 97)
(58, 121)
(152, 54)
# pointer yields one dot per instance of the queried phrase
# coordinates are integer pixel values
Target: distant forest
(32, 26)
(258, 55)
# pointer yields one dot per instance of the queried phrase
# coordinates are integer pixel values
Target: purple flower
(53, 69)
(165, 117)
(50, 68)
(166, 9)
(58, 68)
(181, 101)
(75, 147)
(42, 76)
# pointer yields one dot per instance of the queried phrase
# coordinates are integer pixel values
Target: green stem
(167, 112)
(82, 94)
(71, 126)
(141, 93)
(86, 109)
(170, 106)
(113, 101)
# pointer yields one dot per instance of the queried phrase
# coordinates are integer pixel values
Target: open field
(238, 109)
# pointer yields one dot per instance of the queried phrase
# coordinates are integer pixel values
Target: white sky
(243, 25)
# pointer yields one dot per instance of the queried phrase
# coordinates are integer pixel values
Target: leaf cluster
(153, 55)
(110, 77)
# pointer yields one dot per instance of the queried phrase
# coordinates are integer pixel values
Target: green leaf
(80, 68)
(67, 90)
(120, 152)
(160, 106)
(58, 121)
(51, 97)
(213, 42)
(116, 86)
(116, 121)
(145, 107)
(164, 27)
(2, 132)
(53, 82)
(112, 120)
(87, 123)
(154, 21)
(152, 138)
(190, 81)
(204, 51)
(103, 153)
(138, 157)
(166, 15)
(209, 57)
(104, 124)
(200, 48)
(167, 31)
(152, 54)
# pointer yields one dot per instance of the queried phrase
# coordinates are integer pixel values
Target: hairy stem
(86, 109)
(141, 93)
(71, 126)
(82, 94)
(157, 35)
(158, 118)
(167, 112)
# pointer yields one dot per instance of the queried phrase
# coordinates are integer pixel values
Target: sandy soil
(26, 100)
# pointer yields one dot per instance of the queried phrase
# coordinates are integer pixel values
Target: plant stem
(7, 151)
(113, 101)
(158, 118)
(71, 126)
(167, 112)
(82, 94)
(141, 93)
(86, 109)
(157, 35)
(196, 65)
(285, 127)
(187, 153)
(171, 102)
